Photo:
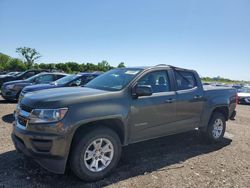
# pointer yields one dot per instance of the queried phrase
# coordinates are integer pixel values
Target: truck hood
(60, 97)
(38, 87)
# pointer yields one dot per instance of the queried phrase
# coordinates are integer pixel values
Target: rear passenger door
(190, 100)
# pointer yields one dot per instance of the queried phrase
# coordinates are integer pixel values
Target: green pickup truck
(86, 127)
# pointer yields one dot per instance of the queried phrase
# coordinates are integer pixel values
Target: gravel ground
(176, 161)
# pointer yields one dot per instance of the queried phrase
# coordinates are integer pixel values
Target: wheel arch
(223, 110)
(207, 115)
(114, 124)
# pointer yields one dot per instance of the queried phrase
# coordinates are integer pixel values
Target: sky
(210, 36)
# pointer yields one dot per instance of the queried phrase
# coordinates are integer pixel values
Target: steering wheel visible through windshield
(114, 80)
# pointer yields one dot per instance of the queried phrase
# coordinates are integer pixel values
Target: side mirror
(142, 90)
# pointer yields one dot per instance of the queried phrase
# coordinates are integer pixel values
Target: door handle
(197, 97)
(170, 100)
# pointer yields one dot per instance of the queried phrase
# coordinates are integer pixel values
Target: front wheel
(216, 128)
(96, 154)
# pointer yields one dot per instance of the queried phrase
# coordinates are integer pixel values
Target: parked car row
(243, 91)
(86, 127)
(32, 80)
(20, 76)
(12, 89)
(244, 95)
(9, 74)
(68, 81)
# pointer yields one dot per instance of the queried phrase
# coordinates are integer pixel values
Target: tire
(17, 95)
(82, 168)
(211, 135)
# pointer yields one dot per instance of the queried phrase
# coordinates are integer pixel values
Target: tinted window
(158, 80)
(76, 82)
(28, 75)
(58, 76)
(66, 79)
(87, 79)
(185, 80)
(45, 78)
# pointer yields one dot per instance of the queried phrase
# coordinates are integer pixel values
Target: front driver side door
(153, 116)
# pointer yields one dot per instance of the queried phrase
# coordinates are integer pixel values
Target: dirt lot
(176, 161)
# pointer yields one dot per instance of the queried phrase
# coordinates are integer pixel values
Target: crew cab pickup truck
(86, 127)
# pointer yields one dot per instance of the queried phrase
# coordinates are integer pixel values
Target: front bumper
(49, 150)
(8, 94)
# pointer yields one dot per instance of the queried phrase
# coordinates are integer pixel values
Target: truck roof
(162, 65)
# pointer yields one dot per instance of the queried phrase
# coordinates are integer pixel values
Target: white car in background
(244, 95)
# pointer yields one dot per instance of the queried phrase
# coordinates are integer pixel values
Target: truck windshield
(114, 80)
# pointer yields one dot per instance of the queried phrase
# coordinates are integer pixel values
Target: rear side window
(45, 78)
(58, 76)
(185, 80)
(28, 75)
(87, 79)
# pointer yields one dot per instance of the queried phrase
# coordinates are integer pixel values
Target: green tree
(47, 66)
(4, 60)
(103, 66)
(90, 67)
(36, 66)
(73, 66)
(64, 67)
(30, 55)
(16, 65)
(121, 65)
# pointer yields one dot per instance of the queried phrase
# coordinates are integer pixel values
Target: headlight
(47, 115)
(10, 86)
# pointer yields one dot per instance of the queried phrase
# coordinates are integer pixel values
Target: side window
(76, 82)
(45, 78)
(185, 80)
(87, 79)
(58, 76)
(28, 75)
(158, 80)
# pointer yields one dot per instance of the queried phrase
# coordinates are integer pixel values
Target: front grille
(25, 108)
(22, 120)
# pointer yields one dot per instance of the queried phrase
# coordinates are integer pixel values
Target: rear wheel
(216, 128)
(96, 154)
